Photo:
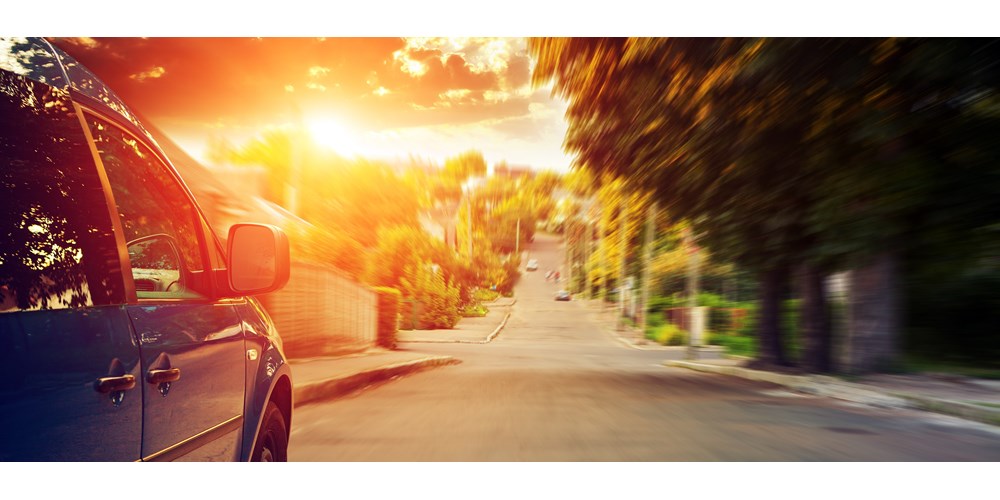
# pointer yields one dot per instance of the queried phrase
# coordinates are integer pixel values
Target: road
(555, 387)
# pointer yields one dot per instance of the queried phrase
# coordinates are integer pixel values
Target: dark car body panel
(49, 409)
(205, 342)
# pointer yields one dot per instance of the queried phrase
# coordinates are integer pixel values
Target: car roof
(39, 60)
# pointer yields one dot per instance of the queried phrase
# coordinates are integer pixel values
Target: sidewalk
(607, 319)
(468, 330)
(337, 376)
(971, 399)
(331, 377)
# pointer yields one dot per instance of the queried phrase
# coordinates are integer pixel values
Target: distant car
(563, 295)
(532, 265)
(130, 332)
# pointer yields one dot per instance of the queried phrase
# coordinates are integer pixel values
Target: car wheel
(272, 442)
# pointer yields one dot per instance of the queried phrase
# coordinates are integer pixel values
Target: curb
(954, 408)
(820, 385)
(496, 331)
(345, 385)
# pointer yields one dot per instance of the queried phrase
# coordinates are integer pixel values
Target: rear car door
(191, 345)
(71, 366)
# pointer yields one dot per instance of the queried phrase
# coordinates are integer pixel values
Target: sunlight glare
(332, 134)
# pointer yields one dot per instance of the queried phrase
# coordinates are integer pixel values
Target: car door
(192, 346)
(69, 390)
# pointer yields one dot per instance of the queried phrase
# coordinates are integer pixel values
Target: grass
(915, 364)
(990, 405)
(475, 311)
(735, 344)
(485, 295)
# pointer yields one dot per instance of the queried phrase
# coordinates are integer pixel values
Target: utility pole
(586, 258)
(517, 238)
(647, 263)
(294, 177)
(693, 277)
(468, 212)
(569, 255)
(604, 258)
(621, 266)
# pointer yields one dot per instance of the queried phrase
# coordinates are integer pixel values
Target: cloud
(429, 71)
(318, 71)
(82, 41)
(152, 73)
(455, 94)
(376, 84)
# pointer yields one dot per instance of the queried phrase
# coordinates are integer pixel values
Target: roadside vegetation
(780, 163)
(405, 227)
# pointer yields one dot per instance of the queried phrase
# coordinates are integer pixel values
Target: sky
(386, 98)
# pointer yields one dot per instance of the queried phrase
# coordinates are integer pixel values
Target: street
(554, 386)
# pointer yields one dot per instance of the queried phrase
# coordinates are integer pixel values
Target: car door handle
(163, 376)
(114, 384)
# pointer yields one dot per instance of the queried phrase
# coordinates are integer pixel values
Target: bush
(669, 334)
(790, 327)
(711, 300)
(485, 295)
(740, 346)
(388, 316)
(655, 319)
(659, 304)
(719, 319)
(510, 275)
(474, 311)
(438, 299)
(749, 328)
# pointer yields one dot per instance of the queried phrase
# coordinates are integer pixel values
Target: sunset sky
(374, 97)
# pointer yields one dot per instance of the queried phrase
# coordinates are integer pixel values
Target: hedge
(388, 315)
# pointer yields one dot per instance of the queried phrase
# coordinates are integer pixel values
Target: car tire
(272, 441)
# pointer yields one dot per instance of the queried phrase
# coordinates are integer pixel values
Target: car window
(57, 247)
(31, 57)
(158, 218)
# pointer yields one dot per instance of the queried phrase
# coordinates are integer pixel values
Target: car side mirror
(258, 258)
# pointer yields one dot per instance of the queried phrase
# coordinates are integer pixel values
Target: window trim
(131, 296)
(110, 206)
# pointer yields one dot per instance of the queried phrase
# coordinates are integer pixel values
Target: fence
(322, 312)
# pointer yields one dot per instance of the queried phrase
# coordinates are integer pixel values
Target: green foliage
(485, 295)
(786, 152)
(439, 298)
(790, 323)
(668, 334)
(512, 272)
(388, 316)
(658, 304)
(474, 311)
(719, 319)
(736, 344)
(329, 246)
(464, 166)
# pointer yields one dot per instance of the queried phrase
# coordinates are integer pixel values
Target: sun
(332, 134)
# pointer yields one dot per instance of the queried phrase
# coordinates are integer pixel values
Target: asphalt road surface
(555, 387)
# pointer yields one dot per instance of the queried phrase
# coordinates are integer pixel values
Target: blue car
(129, 332)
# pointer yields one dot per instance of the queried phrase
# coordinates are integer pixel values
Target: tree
(465, 166)
(794, 154)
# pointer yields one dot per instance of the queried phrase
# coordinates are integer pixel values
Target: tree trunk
(769, 336)
(873, 315)
(815, 321)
